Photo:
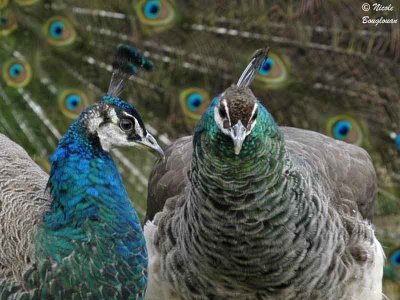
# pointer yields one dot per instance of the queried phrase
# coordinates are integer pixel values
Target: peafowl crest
(326, 71)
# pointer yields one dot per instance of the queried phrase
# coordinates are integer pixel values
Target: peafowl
(87, 241)
(327, 72)
(257, 211)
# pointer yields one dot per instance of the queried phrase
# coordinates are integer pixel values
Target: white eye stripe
(219, 121)
(128, 115)
(138, 129)
(254, 110)
(113, 115)
(225, 104)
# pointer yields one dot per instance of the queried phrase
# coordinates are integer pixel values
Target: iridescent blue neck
(91, 216)
(87, 190)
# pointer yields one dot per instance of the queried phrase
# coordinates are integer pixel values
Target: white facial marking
(111, 135)
(251, 117)
(94, 123)
(225, 104)
(254, 110)
(94, 120)
(220, 121)
(138, 128)
(113, 116)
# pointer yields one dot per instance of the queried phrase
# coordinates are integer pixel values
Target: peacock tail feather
(327, 71)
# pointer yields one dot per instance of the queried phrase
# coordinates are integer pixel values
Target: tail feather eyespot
(274, 72)
(157, 15)
(72, 102)
(345, 128)
(194, 101)
(59, 31)
(17, 73)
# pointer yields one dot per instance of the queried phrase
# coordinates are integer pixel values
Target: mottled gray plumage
(347, 168)
(169, 178)
(23, 200)
(297, 227)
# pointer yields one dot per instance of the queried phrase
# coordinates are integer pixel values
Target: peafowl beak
(150, 142)
(238, 135)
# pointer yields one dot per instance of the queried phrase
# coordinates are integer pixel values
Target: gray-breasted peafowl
(84, 240)
(256, 211)
(327, 72)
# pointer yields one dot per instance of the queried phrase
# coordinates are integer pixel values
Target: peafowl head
(116, 123)
(237, 110)
(113, 121)
(236, 114)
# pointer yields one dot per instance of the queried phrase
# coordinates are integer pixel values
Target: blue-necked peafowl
(327, 72)
(87, 241)
(257, 211)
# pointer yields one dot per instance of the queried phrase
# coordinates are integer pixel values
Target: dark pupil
(397, 258)
(58, 30)
(222, 112)
(266, 66)
(126, 125)
(196, 102)
(154, 9)
(344, 130)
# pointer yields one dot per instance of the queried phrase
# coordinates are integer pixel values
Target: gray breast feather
(345, 170)
(22, 203)
(169, 175)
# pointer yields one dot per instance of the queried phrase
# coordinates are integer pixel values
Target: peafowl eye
(345, 128)
(59, 31)
(126, 124)
(72, 102)
(17, 73)
(274, 72)
(194, 101)
(156, 15)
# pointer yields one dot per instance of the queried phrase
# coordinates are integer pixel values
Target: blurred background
(327, 71)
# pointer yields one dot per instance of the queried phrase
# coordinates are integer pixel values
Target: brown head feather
(240, 102)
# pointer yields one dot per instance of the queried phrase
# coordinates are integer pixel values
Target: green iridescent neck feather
(209, 138)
